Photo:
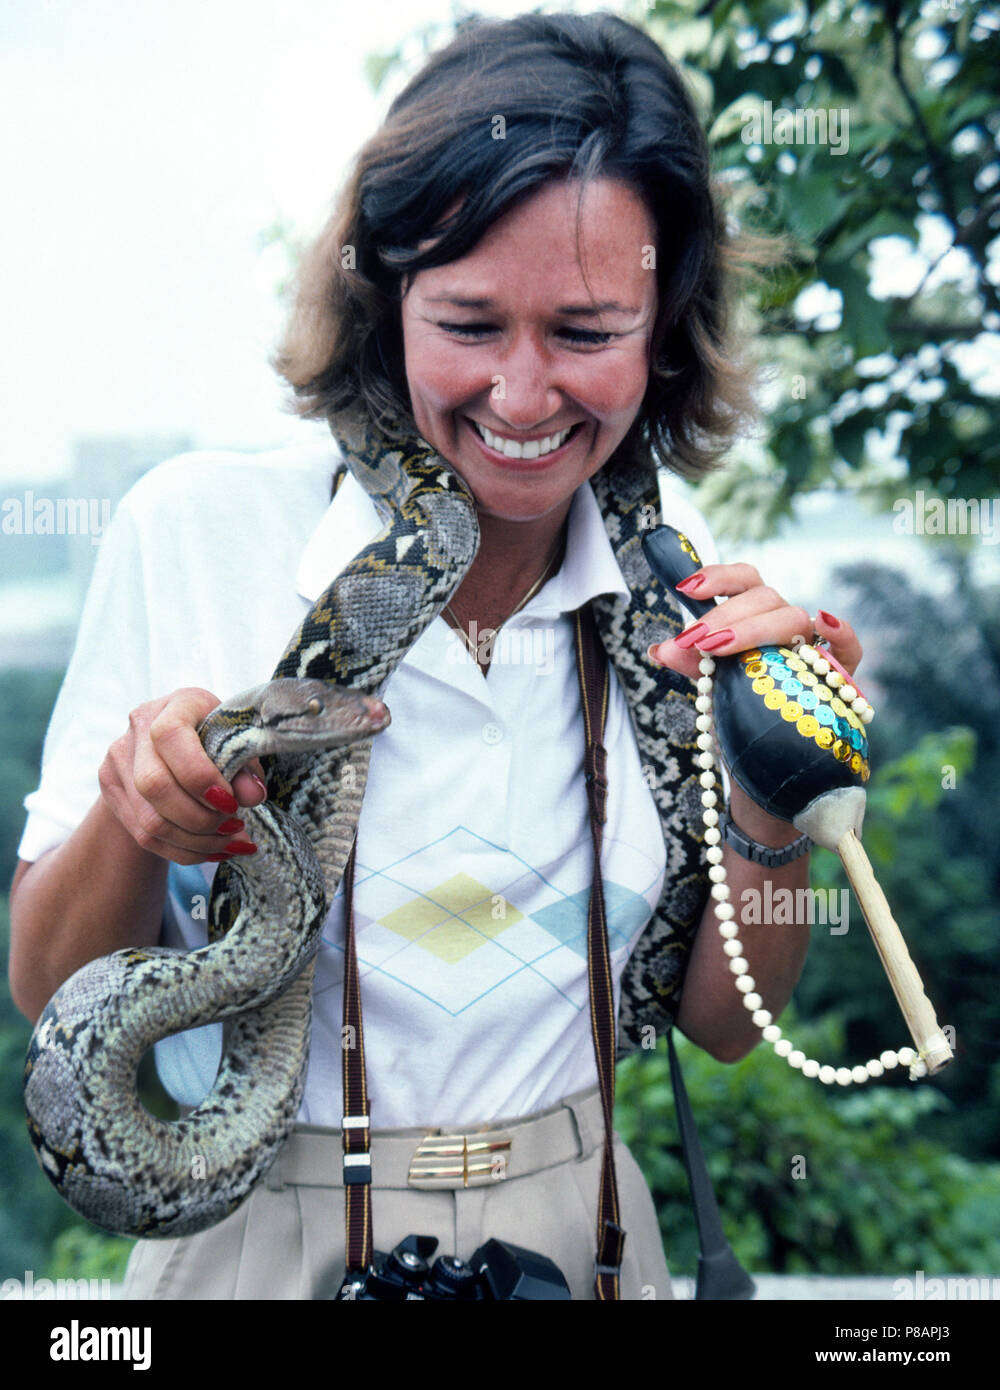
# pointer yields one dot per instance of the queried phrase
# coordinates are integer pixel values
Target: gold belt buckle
(460, 1160)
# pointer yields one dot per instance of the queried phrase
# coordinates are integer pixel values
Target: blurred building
(49, 536)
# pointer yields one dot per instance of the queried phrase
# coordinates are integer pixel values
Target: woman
(526, 271)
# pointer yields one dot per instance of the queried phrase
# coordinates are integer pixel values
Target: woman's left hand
(753, 615)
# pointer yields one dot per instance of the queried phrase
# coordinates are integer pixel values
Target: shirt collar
(351, 522)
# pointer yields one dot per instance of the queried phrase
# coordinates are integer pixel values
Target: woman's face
(507, 340)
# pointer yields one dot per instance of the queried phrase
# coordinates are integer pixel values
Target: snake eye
(314, 707)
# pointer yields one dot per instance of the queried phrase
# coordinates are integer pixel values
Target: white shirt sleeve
(108, 675)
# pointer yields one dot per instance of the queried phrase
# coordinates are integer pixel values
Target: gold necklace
(473, 647)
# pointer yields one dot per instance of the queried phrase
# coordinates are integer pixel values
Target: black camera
(497, 1270)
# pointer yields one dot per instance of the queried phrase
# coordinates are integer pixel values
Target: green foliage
(810, 1180)
(26, 700)
(866, 388)
(83, 1252)
(38, 1231)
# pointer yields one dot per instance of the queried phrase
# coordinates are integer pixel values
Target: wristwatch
(770, 857)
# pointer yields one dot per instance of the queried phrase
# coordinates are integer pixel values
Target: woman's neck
(512, 556)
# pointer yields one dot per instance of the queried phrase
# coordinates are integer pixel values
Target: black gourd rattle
(791, 727)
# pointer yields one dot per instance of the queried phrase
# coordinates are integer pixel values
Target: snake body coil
(116, 1164)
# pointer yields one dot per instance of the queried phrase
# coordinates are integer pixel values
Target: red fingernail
(692, 582)
(229, 827)
(240, 847)
(222, 800)
(716, 639)
(829, 619)
(691, 634)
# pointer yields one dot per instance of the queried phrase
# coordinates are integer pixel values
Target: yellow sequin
(866, 771)
(824, 692)
(838, 707)
(762, 685)
(792, 711)
(855, 762)
(774, 699)
(808, 678)
(747, 657)
(824, 738)
(842, 751)
(807, 726)
(756, 668)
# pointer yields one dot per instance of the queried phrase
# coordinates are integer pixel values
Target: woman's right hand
(167, 794)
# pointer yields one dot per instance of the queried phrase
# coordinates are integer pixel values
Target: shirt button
(492, 733)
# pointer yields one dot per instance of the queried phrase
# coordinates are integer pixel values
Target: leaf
(812, 204)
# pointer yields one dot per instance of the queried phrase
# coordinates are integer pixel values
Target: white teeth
(533, 449)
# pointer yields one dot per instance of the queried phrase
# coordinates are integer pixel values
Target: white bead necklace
(725, 912)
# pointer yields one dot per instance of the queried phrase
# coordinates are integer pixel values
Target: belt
(436, 1159)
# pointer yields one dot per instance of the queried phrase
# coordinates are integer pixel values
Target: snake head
(304, 714)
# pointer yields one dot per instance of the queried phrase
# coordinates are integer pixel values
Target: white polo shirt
(474, 852)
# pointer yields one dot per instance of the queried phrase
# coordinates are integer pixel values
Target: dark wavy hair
(582, 97)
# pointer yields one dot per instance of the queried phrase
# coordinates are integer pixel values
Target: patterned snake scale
(131, 1173)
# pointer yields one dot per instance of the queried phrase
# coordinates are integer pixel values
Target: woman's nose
(525, 391)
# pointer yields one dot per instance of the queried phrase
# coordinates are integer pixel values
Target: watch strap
(767, 855)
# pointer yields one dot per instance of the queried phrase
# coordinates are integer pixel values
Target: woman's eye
(575, 335)
(471, 330)
(584, 335)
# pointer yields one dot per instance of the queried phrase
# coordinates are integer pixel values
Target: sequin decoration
(785, 682)
(689, 549)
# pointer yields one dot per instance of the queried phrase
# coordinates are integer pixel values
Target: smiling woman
(514, 323)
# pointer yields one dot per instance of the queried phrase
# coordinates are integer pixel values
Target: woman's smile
(534, 452)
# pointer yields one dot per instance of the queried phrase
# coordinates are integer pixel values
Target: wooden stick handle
(906, 983)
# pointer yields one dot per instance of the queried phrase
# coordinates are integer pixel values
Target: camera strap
(592, 668)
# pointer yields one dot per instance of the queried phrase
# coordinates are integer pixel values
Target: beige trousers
(286, 1241)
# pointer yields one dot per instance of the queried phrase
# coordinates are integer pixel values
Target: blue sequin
(792, 686)
(825, 714)
(808, 699)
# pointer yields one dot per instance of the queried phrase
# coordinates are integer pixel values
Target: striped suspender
(592, 668)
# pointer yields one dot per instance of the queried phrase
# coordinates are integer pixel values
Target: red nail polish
(692, 582)
(229, 827)
(221, 800)
(690, 635)
(716, 639)
(240, 847)
(829, 619)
